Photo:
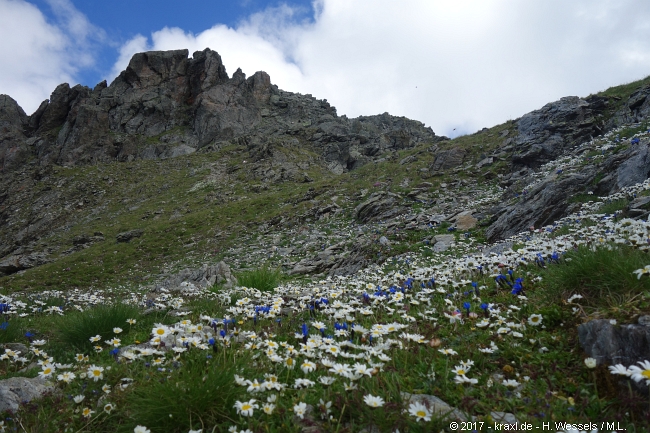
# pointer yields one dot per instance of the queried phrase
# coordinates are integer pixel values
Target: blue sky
(123, 19)
(457, 66)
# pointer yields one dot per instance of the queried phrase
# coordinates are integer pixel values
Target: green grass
(604, 277)
(582, 198)
(263, 279)
(10, 332)
(75, 329)
(612, 206)
(202, 394)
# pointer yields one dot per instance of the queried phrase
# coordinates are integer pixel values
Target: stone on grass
(17, 390)
(127, 236)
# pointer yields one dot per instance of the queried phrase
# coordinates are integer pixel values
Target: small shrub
(76, 329)
(264, 279)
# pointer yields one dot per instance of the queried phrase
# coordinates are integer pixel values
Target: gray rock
(205, 276)
(635, 168)
(408, 160)
(17, 347)
(437, 219)
(485, 162)
(640, 202)
(17, 390)
(504, 417)
(446, 239)
(498, 248)
(384, 241)
(448, 159)
(12, 264)
(127, 236)
(545, 134)
(439, 247)
(611, 344)
(542, 205)
(379, 206)
(436, 405)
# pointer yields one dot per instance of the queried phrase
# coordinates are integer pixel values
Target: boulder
(12, 264)
(542, 205)
(379, 206)
(17, 390)
(615, 344)
(437, 406)
(447, 159)
(127, 236)
(203, 277)
(465, 221)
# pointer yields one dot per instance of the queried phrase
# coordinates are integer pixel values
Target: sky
(457, 66)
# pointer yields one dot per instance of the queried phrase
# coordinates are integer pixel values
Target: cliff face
(165, 104)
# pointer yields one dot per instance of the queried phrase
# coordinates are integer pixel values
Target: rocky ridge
(167, 108)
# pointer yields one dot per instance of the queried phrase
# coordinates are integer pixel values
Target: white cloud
(39, 55)
(136, 44)
(462, 64)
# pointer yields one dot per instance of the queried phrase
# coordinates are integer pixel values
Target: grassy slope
(208, 221)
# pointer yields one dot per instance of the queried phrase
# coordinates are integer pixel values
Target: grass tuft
(602, 275)
(76, 329)
(263, 279)
(613, 206)
(201, 395)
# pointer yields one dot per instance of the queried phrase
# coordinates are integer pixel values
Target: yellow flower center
(96, 372)
(461, 372)
(646, 374)
(246, 407)
(160, 331)
(421, 413)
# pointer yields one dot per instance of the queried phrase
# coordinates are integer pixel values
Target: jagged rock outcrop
(635, 109)
(165, 104)
(550, 199)
(14, 149)
(547, 133)
(15, 263)
(542, 205)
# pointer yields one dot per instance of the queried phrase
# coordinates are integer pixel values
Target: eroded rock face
(380, 205)
(165, 104)
(545, 134)
(543, 204)
(19, 262)
(14, 150)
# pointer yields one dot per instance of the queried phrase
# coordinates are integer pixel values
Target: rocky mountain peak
(166, 104)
